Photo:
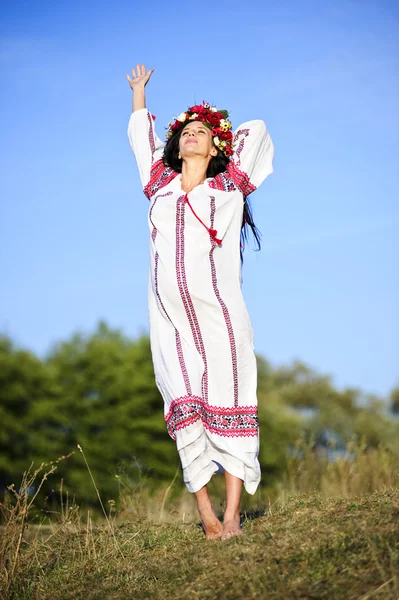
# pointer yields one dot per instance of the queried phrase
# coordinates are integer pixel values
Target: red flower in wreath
(213, 118)
(217, 131)
(226, 135)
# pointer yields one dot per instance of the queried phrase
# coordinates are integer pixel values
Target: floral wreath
(215, 120)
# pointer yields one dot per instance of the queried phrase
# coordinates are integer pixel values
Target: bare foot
(211, 524)
(231, 527)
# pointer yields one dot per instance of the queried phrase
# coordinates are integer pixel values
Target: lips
(191, 141)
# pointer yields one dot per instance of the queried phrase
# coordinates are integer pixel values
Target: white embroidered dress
(200, 331)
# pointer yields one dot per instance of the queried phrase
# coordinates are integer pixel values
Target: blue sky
(73, 220)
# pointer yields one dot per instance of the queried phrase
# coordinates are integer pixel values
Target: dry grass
(306, 545)
(359, 470)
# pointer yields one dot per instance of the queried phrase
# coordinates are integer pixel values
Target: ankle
(205, 508)
(231, 515)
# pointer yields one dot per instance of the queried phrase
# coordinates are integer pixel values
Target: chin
(190, 152)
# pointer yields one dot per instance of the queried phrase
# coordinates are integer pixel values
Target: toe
(214, 536)
(230, 530)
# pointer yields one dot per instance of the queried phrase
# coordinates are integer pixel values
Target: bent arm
(253, 153)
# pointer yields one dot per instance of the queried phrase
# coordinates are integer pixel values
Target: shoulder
(232, 180)
(160, 176)
(223, 182)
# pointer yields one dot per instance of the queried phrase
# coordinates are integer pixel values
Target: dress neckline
(179, 178)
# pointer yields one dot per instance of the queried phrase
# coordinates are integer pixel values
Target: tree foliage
(98, 391)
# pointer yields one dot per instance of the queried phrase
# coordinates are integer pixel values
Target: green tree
(394, 399)
(27, 385)
(99, 391)
(112, 408)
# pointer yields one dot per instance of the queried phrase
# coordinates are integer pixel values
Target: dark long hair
(217, 164)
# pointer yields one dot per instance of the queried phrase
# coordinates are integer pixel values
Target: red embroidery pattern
(240, 179)
(159, 178)
(184, 293)
(151, 136)
(232, 179)
(223, 182)
(237, 151)
(179, 348)
(225, 311)
(241, 421)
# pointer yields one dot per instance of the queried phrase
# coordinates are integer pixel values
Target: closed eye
(197, 131)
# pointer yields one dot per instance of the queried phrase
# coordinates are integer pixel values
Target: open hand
(140, 77)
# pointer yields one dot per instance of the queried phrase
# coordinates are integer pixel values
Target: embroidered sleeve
(144, 142)
(252, 159)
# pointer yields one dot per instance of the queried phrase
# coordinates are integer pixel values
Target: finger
(134, 73)
(128, 78)
(143, 69)
(138, 68)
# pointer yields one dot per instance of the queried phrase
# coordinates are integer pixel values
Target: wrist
(138, 98)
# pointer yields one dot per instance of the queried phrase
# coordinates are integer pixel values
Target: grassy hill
(306, 548)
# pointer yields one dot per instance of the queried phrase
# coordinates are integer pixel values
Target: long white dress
(200, 331)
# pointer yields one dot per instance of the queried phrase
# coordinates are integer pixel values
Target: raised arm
(144, 142)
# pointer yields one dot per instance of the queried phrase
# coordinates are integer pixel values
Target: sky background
(73, 219)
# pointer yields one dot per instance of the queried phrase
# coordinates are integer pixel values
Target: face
(196, 140)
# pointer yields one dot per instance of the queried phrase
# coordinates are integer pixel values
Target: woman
(201, 335)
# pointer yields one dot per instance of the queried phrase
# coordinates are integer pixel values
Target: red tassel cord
(212, 232)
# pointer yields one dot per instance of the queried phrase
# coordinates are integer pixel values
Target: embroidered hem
(234, 421)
